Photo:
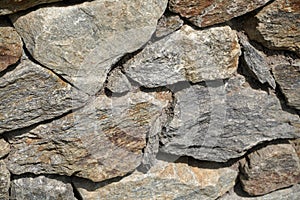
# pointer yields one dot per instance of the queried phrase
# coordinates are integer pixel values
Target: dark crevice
(76, 192)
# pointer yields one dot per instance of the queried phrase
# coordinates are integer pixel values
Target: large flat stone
(224, 120)
(82, 42)
(103, 140)
(186, 55)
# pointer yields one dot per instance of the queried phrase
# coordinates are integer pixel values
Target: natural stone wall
(115, 99)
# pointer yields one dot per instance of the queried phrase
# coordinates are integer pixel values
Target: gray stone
(277, 25)
(82, 42)
(4, 148)
(186, 55)
(256, 62)
(288, 78)
(168, 24)
(164, 181)
(117, 82)
(41, 188)
(206, 13)
(4, 181)
(269, 169)
(103, 140)
(10, 45)
(30, 94)
(224, 120)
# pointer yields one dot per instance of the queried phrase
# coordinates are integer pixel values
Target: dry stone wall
(115, 99)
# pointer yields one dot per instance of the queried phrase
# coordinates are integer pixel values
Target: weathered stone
(41, 187)
(168, 24)
(4, 148)
(12, 6)
(164, 181)
(256, 62)
(30, 94)
(103, 140)
(292, 193)
(10, 45)
(118, 82)
(206, 13)
(288, 78)
(81, 42)
(4, 181)
(270, 168)
(296, 145)
(186, 55)
(224, 120)
(277, 26)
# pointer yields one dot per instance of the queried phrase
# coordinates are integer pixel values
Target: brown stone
(4, 148)
(168, 24)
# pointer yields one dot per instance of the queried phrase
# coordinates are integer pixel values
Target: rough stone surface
(118, 82)
(30, 94)
(168, 24)
(165, 181)
(4, 148)
(12, 6)
(4, 181)
(292, 193)
(270, 168)
(81, 42)
(288, 78)
(277, 26)
(103, 140)
(256, 62)
(186, 55)
(225, 120)
(206, 13)
(10, 45)
(41, 187)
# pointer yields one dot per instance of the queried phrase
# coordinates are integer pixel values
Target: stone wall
(157, 99)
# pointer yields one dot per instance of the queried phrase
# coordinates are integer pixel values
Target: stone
(207, 13)
(81, 42)
(4, 148)
(256, 62)
(117, 82)
(164, 181)
(30, 94)
(41, 187)
(102, 140)
(4, 181)
(186, 55)
(277, 25)
(167, 24)
(292, 193)
(10, 45)
(12, 6)
(270, 168)
(288, 78)
(221, 121)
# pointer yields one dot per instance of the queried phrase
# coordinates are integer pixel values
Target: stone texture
(168, 24)
(103, 140)
(30, 94)
(224, 120)
(292, 193)
(117, 82)
(82, 42)
(206, 13)
(4, 148)
(277, 26)
(288, 78)
(4, 181)
(270, 168)
(164, 181)
(12, 6)
(256, 62)
(186, 55)
(41, 187)
(10, 45)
